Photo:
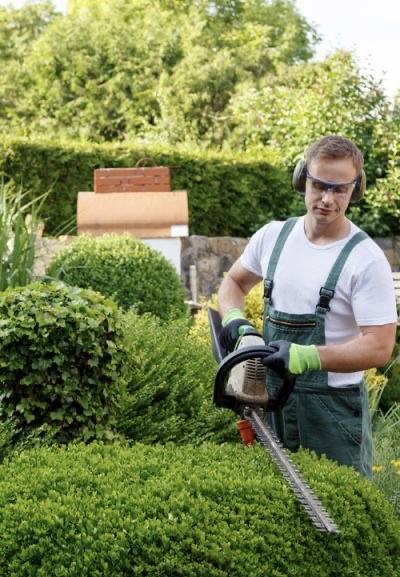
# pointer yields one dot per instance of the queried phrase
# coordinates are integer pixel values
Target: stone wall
(211, 257)
(214, 256)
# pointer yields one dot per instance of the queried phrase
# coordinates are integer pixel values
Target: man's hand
(292, 358)
(231, 332)
(234, 326)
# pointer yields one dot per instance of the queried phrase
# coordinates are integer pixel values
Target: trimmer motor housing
(247, 379)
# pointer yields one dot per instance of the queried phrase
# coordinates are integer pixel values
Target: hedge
(228, 195)
(211, 511)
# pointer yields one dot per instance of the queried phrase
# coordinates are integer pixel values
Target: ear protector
(300, 176)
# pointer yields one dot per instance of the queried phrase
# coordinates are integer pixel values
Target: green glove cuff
(231, 315)
(303, 358)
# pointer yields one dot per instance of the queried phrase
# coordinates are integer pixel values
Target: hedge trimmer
(240, 386)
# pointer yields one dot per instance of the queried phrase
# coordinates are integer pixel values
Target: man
(330, 308)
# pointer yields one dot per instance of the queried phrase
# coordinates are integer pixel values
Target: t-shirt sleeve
(258, 247)
(373, 298)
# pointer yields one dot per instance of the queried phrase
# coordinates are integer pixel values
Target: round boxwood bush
(60, 359)
(107, 510)
(125, 269)
(170, 385)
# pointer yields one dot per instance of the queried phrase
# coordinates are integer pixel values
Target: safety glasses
(341, 189)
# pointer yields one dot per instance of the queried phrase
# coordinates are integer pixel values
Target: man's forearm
(230, 296)
(234, 288)
(372, 349)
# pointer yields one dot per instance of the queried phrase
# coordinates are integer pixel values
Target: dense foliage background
(227, 90)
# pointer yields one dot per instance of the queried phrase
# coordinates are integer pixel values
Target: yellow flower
(395, 463)
(378, 468)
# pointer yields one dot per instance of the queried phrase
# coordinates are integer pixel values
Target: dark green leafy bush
(167, 511)
(170, 386)
(125, 269)
(60, 359)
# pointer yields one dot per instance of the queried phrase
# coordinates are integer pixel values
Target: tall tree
(307, 101)
(118, 69)
(19, 29)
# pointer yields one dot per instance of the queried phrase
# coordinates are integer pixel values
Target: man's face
(326, 206)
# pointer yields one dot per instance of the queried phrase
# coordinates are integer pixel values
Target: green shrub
(15, 438)
(60, 359)
(239, 191)
(125, 269)
(210, 511)
(379, 212)
(391, 393)
(170, 386)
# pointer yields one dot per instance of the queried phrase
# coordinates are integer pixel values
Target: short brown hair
(334, 146)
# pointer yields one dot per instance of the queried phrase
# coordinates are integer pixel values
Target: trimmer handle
(224, 398)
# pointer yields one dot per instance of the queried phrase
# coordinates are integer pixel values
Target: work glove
(292, 358)
(234, 325)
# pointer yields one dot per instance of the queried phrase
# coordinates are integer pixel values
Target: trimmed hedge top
(213, 511)
(125, 269)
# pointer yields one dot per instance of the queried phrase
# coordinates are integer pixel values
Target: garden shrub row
(74, 363)
(228, 195)
(209, 511)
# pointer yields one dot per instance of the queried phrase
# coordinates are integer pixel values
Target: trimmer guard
(227, 399)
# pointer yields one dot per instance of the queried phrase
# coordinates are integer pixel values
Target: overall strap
(276, 253)
(328, 290)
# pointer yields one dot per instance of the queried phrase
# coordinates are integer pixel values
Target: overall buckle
(268, 285)
(325, 296)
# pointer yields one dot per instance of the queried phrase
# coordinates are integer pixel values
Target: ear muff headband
(299, 182)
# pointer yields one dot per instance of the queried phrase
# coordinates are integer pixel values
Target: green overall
(328, 420)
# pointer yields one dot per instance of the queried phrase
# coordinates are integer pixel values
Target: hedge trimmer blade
(227, 396)
(312, 506)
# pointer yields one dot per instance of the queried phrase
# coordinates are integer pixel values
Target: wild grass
(19, 224)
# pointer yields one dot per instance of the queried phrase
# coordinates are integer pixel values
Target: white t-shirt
(364, 294)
